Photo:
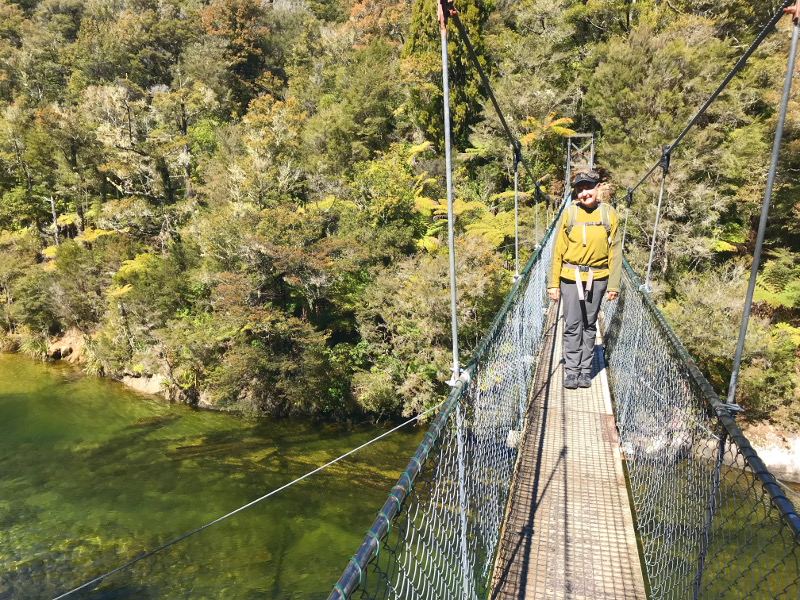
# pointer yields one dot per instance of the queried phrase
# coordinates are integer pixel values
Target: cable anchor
(731, 410)
(629, 198)
(455, 376)
(445, 9)
(666, 153)
(518, 157)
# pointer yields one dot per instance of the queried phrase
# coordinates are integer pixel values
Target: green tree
(356, 117)
(421, 70)
(140, 42)
(78, 286)
(388, 189)
(11, 36)
(242, 27)
(17, 257)
(272, 142)
(407, 340)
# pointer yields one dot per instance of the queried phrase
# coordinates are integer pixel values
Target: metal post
(711, 509)
(625, 409)
(664, 164)
(546, 213)
(443, 9)
(568, 176)
(443, 14)
(536, 197)
(628, 200)
(517, 157)
(762, 224)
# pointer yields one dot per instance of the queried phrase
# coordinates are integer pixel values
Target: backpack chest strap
(588, 224)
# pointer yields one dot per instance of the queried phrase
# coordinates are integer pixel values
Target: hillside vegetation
(244, 197)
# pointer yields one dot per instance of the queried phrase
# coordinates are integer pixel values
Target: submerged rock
(779, 451)
(154, 384)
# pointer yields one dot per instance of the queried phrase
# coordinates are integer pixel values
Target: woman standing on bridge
(586, 263)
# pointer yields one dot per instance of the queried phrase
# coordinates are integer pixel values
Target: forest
(245, 198)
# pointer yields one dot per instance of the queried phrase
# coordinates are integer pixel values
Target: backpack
(605, 209)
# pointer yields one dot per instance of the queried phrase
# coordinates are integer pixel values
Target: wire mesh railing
(437, 534)
(713, 521)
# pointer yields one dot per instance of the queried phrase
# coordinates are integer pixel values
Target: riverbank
(69, 347)
(779, 450)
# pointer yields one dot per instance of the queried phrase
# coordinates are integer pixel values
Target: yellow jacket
(605, 259)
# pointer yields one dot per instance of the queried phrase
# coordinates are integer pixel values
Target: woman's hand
(611, 296)
(553, 292)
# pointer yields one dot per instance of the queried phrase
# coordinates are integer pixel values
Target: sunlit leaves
(549, 126)
(403, 319)
(388, 189)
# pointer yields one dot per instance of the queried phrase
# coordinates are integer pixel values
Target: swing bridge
(642, 486)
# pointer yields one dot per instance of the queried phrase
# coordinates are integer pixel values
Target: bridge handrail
(495, 325)
(724, 412)
(353, 573)
(712, 520)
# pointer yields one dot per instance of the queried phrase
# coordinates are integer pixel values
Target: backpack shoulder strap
(605, 209)
(572, 216)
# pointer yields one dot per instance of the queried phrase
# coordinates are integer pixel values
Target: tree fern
(778, 283)
(493, 228)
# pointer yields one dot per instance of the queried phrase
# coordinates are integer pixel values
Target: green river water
(93, 475)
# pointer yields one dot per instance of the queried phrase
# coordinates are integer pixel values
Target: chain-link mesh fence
(712, 520)
(437, 534)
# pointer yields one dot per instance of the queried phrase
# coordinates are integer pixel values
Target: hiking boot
(584, 380)
(571, 382)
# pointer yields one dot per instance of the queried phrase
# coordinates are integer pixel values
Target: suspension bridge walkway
(518, 489)
(569, 531)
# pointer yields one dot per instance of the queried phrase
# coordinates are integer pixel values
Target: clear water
(93, 475)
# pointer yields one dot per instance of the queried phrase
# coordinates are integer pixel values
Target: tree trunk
(55, 219)
(187, 174)
(187, 168)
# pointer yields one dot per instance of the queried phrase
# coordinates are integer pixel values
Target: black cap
(589, 177)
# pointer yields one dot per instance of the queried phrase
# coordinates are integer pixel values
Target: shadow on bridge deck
(569, 531)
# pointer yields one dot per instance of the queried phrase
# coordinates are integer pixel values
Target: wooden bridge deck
(569, 532)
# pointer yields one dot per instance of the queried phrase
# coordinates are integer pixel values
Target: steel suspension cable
(664, 164)
(762, 224)
(449, 177)
(517, 155)
(150, 553)
(736, 68)
(628, 200)
(443, 14)
(485, 80)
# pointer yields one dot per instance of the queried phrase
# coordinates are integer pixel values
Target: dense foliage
(243, 197)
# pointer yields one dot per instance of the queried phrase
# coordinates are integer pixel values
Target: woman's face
(586, 195)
